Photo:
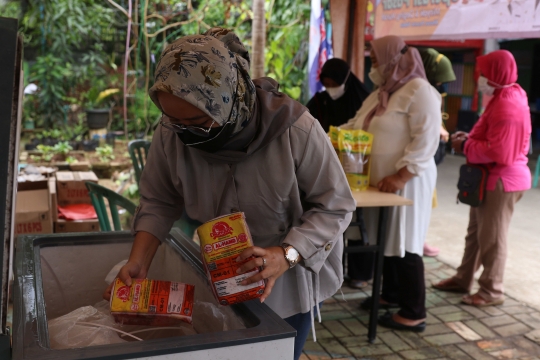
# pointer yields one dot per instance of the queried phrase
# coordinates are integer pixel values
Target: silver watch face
(292, 254)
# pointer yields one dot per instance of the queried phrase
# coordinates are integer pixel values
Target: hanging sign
(457, 19)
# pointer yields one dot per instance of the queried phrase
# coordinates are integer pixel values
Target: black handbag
(441, 152)
(472, 184)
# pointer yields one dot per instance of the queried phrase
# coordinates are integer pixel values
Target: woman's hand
(131, 270)
(276, 265)
(444, 134)
(142, 252)
(391, 184)
(457, 145)
(459, 135)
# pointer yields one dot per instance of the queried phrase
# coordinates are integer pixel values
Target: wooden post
(258, 36)
(348, 27)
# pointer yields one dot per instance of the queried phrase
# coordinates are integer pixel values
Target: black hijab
(337, 112)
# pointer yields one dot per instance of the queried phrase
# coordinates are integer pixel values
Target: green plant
(71, 160)
(62, 147)
(95, 97)
(47, 152)
(105, 153)
(132, 192)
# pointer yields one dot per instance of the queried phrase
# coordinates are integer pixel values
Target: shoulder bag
(472, 184)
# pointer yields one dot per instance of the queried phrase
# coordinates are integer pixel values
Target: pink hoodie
(500, 138)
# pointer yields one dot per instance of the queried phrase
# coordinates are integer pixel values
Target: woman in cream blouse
(403, 114)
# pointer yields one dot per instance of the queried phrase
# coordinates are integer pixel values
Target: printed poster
(457, 19)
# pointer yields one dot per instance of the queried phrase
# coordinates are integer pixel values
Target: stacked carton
(70, 189)
(38, 197)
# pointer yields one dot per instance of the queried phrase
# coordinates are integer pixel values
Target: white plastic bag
(83, 327)
(208, 317)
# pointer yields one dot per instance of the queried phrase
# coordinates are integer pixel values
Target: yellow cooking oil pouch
(333, 133)
(355, 156)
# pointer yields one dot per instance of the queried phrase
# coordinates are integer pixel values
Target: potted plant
(97, 111)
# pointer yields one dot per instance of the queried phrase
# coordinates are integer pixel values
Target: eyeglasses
(197, 130)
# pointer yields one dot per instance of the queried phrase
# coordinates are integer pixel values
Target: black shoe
(368, 303)
(387, 321)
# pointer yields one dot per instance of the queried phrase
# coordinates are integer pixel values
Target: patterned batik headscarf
(208, 71)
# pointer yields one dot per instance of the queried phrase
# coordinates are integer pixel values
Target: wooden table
(373, 198)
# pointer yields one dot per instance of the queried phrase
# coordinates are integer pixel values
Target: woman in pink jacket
(500, 140)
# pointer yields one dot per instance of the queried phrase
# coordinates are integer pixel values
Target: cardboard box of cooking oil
(222, 240)
(71, 188)
(152, 302)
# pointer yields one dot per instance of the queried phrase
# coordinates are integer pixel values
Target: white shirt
(405, 135)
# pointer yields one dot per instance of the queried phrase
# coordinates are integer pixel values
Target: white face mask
(487, 89)
(484, 87)
(336, 92)
(375, 76)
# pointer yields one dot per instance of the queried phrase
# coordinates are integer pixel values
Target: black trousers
(360, 266)
(404, 284)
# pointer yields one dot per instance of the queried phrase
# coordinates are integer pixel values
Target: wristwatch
(291, 255)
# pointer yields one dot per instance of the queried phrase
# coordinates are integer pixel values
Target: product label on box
(222, 240)
(152, 302)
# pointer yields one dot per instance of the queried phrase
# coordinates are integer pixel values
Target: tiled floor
(454, 330)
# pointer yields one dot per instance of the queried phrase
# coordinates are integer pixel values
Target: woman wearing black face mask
(343, 97)
(227, 143)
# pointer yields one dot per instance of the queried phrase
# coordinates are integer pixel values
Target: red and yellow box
(152, 302)
(222, 240)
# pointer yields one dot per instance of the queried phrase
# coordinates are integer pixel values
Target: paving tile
(435, 329)
(474, 351)
(430, 319)
(534, 336)
(493, 311)
(355, 326)
(393, 341)
(390, 357)
(494, 345)
(331, 307)
(350, 296)
(457, 316)
(480, 329)
(334, 348)
(498, 320)
(441, 310)
(435, 299)
(371, 350)
(510, 302)
(529, 320)
(512, 330)
(508, 354)
(311, 347)
(337, 329)
(335, 315)
(518, 309)
(321, 334)
(414, 340)
(354, 341)
(454, 353)
(464, 331)
(313, 355)
(444, 339)
(529, 346)
(474, 311)
(425, 353)
(304, 357)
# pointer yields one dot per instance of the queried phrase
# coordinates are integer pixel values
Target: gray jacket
(293, 190)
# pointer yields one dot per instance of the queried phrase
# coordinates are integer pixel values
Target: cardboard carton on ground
(70, 187)
(33, 210)
(67, 226)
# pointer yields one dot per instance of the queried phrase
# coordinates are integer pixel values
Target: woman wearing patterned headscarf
(227, 143)
(403, 114)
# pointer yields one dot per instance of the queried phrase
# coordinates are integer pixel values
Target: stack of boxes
(70, 189)
(37, 203)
